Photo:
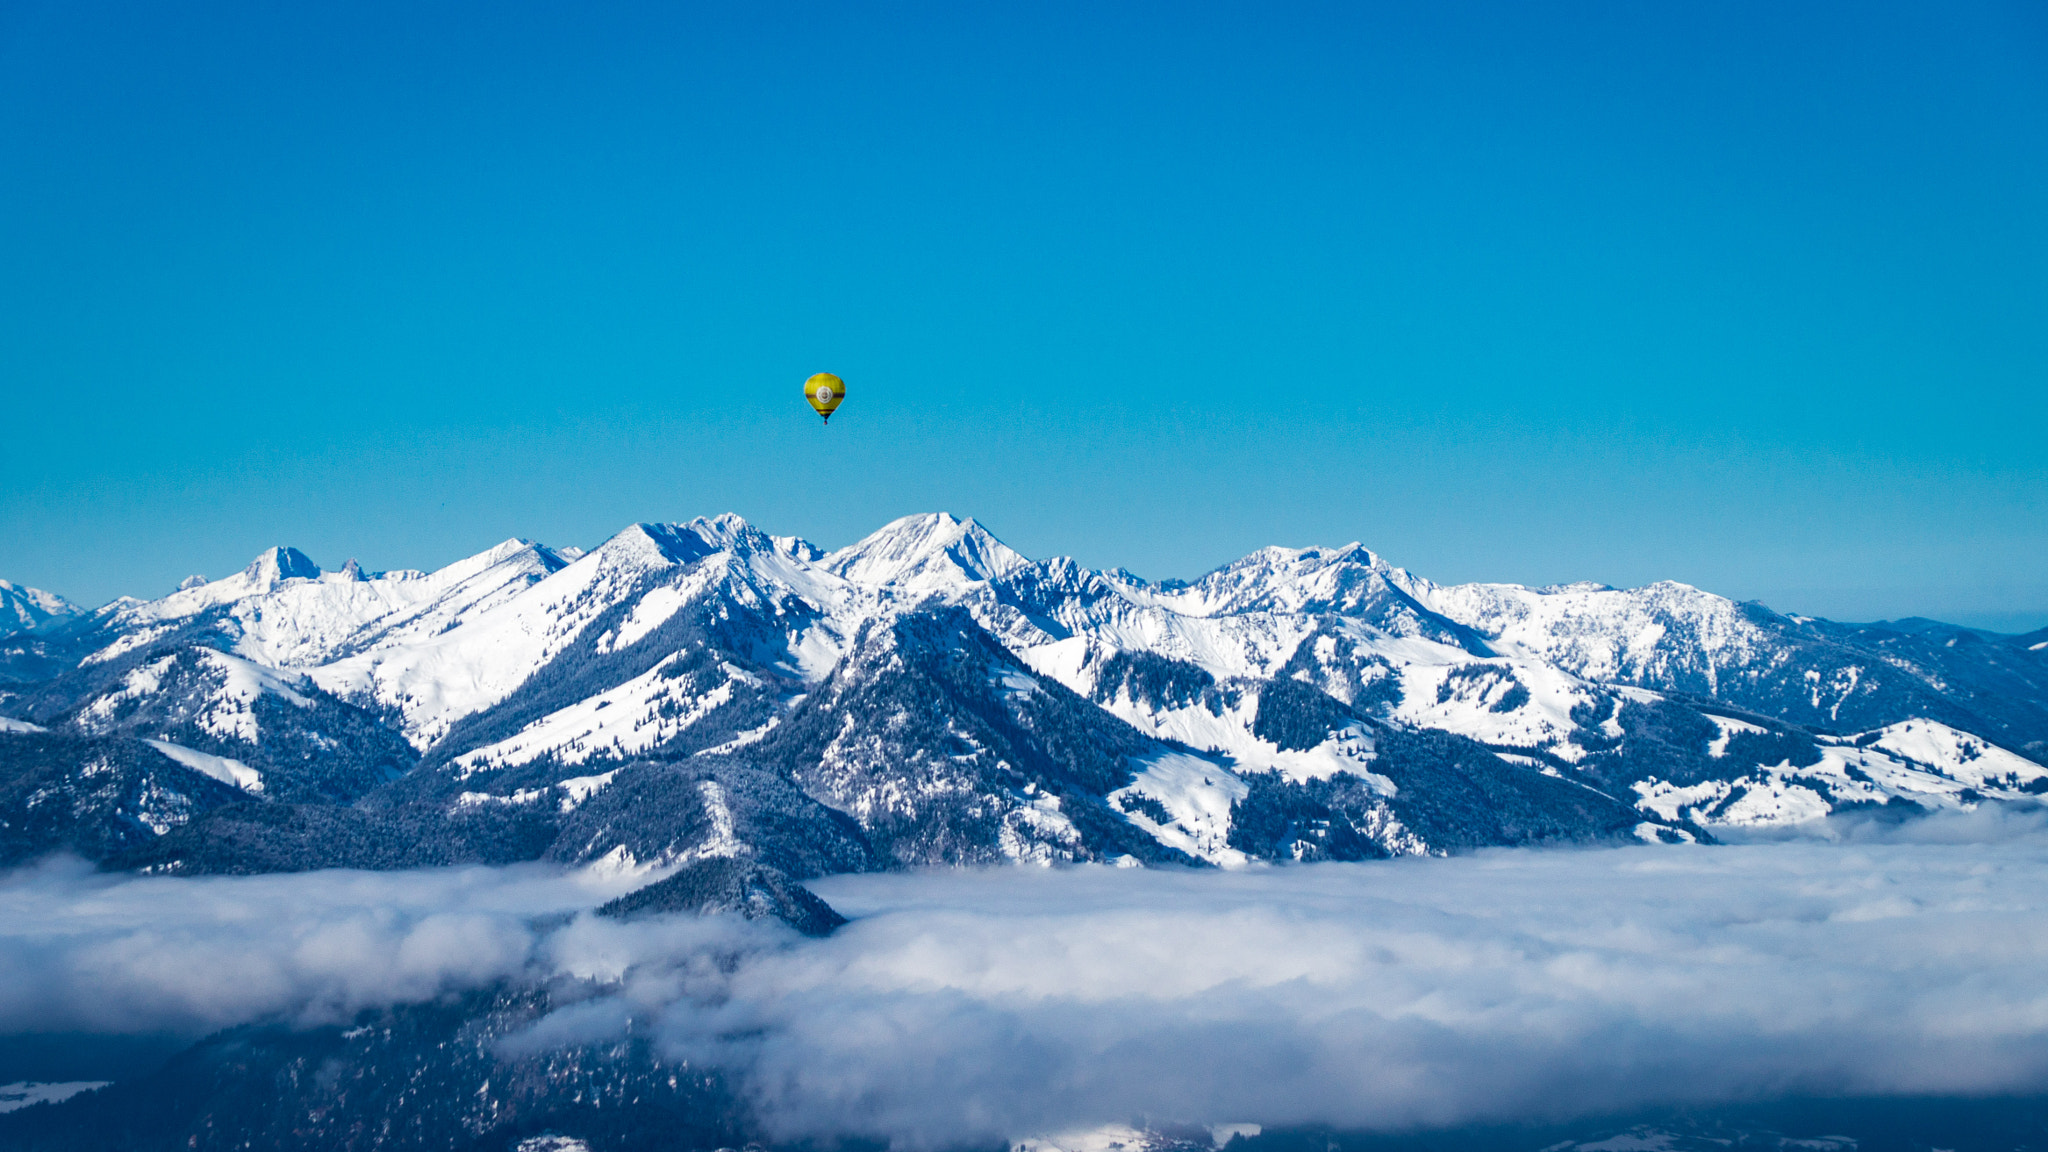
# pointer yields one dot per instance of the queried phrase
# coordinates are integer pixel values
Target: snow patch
(1718, 746)
(221, 768)
(23, 1093)
(519, 798)
(1016, 685)
(577, 789)
(1197, 796)
(551, 1143)
(653, 610)
(126, 644)
(1961, 757)
(617, 864)
(1038, 832)
(1108, 1138)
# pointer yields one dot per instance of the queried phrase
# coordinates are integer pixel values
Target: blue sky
(1748, 297)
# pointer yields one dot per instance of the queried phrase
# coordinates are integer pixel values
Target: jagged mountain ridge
(930, 695)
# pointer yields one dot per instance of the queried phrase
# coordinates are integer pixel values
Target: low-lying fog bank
(977, 1006)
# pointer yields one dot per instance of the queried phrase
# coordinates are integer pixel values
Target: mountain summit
(276, 565)
(930, 553)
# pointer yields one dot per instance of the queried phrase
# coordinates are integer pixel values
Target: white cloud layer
(96, 953)
(991, 1005)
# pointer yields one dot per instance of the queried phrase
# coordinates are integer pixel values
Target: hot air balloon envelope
(825, 391)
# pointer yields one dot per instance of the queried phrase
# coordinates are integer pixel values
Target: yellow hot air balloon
(825, 391)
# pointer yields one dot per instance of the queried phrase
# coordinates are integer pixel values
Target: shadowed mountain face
(701, 691)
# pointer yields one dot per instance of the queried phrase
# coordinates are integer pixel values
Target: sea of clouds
(980, 1005)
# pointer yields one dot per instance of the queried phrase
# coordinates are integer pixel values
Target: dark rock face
(729, 884)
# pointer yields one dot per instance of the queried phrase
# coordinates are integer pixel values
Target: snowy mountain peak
(506, 549)
(1308, 559)
(274, 566)
(1292, 580)
(1667, 633)
(926, 553)
(515, 552)
(647, 547)
(1288, 564)
(722, 529)
(798, 548)
(25, 607)
(730, 532)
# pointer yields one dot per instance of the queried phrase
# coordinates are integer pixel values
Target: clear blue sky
(1753, 296)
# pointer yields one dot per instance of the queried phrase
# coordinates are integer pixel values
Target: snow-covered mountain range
(926, 695)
